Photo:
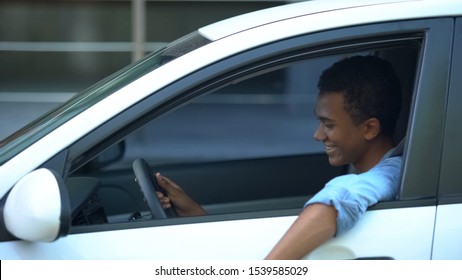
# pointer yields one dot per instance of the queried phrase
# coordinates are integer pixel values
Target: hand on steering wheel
(149, 188)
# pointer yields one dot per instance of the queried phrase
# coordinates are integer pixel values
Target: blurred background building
(50, 50)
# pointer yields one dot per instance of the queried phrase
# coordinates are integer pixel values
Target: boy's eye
(328, 125)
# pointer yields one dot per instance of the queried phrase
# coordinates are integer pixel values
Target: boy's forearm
(315, 225)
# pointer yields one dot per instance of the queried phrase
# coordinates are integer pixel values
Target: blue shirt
(352, 194)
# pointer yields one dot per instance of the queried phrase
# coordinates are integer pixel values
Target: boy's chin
(336, 162)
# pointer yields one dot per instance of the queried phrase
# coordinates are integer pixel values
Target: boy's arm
(315, 225)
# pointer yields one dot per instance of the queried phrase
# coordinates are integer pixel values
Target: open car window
(245, 146)
(237, 136)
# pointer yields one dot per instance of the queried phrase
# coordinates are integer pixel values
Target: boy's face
(344, 140)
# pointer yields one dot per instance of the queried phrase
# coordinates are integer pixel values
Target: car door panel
(390, 225)
(213, 240)
(448, 233)
(233, 239)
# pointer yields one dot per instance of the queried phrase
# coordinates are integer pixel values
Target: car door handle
(374, 258)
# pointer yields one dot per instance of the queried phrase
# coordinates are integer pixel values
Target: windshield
(37, 129)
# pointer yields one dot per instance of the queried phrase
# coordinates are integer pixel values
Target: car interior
(244, 147)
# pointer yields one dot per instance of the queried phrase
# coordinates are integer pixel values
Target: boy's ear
(371, 128)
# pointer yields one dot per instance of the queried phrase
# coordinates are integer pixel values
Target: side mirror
(37, 208)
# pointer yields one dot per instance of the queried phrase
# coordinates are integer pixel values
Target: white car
(227, 112)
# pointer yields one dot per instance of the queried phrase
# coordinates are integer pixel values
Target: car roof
(409, 9)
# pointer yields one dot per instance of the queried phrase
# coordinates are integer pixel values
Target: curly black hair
(370, 87)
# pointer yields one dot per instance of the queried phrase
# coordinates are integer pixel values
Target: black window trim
(450, 184)
(424, 136)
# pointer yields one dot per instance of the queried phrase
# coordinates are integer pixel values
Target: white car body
(245, 238)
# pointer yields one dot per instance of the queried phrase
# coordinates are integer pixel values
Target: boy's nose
(319, 134)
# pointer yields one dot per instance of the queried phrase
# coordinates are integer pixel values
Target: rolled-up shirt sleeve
(352, 194)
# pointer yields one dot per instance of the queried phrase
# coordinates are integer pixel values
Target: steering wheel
(148, 184)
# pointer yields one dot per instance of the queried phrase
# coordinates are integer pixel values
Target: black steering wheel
(148, 184)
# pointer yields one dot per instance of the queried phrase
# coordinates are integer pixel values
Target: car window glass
(33, 131)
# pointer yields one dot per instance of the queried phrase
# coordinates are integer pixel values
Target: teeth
(329, 148)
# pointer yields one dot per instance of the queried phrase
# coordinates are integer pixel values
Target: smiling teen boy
(358, 105)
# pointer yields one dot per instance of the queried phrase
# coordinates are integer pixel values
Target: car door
(251, 232)
(448, 228)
